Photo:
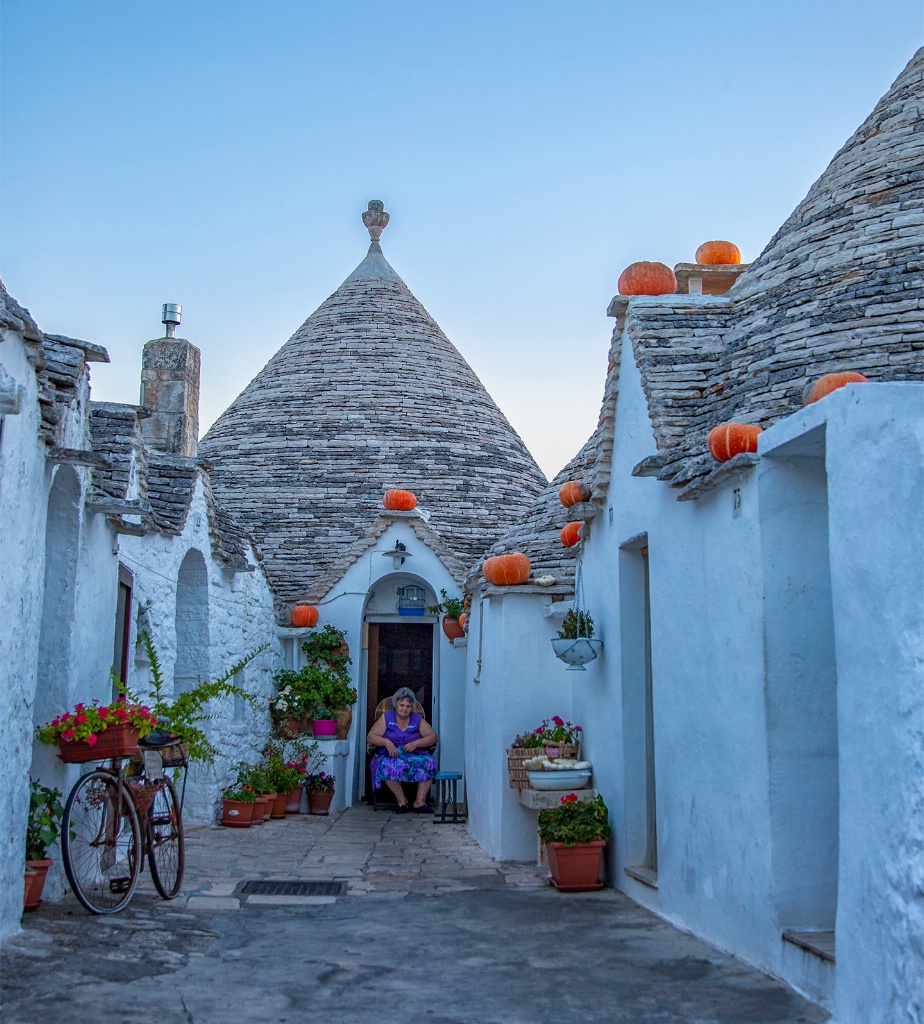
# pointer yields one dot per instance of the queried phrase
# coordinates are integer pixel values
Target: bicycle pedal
(119, 885)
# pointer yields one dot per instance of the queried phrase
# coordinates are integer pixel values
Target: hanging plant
(574, 644)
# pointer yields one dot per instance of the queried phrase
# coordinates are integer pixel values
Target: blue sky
(219, 155)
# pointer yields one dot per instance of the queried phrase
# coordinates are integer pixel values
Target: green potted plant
(283, 779)
(559, 738)
(452, 609)
(237, 806)
(575, 835)
(303, 757)
(575, 644)
(42, 828)
(320, 786)
(323, 686)
(256, 777)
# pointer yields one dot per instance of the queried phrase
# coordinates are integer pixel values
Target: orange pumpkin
(305, 616)
(718, 254)
(730, 439)
(400, 501)
(830, 382)
(647, 279)
(463, 620)
(507, 570)
(573, 491)
(571, 534)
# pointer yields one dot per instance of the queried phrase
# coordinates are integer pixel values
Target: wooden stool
(447, 793)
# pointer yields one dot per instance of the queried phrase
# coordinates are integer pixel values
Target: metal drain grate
(264, 887)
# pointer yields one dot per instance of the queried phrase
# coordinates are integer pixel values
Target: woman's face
(404, 707)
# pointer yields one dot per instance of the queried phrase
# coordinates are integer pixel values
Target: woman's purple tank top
(401, 736)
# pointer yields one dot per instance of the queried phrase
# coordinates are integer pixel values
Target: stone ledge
(548, 799)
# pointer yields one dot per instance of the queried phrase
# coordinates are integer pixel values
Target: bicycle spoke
(166, 846)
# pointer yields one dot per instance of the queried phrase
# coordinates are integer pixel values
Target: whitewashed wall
(345, 607)
(239, 617)
(23, 489)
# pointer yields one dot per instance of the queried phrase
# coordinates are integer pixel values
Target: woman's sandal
(402, 808)
(423, 809)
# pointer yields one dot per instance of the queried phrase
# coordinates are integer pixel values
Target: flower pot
(319, 803)
(36, 872)
(324, 727)
(237, 813)
(278, 806)
(344, 721)
(576, 868)
(453, 628)
(576, 653)
(294, 800)
(264, 807)
(116, 741)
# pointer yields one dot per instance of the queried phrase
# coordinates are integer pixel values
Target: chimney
(170, 389)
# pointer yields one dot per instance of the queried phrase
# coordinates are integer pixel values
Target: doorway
(399, 654)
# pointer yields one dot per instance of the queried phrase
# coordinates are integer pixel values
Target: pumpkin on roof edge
(718, 254)
(399, 501)
(507, 570)
(830, 382)
(730, 439)
(647, 278)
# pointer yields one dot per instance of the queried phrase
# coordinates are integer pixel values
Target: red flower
(540, 731)
(80, 719)
(103, 713)
(91, 739)
(68, 734)
(557, 720)
(571, 798)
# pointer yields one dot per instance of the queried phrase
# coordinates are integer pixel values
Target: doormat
(267, 887)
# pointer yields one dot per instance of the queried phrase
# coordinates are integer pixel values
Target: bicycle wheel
(101, 843)
(166, 846)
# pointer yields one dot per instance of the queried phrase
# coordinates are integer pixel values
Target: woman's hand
(409, 748)
(391, 749)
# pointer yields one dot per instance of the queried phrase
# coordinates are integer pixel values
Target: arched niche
(62, 542)
(192, 623)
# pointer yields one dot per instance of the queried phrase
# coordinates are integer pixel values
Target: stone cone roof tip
(367, 394)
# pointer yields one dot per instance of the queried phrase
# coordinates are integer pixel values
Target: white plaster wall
(875, 460)
(23, 488)
(520, 683)
(240, 616)
(345, 606)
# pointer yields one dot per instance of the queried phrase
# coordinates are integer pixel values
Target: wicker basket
(564, 749)
(515, 758)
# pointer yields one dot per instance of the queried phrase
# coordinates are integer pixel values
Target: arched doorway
(192, 623)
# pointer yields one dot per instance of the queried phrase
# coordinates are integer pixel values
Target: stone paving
(429, 927)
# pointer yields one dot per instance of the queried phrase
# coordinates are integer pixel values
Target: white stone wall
(786, 612)
(23, 486)
(239, 617)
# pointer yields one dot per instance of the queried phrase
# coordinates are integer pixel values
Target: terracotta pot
(319, 803)
(265, 801)
(116, 741)
(294, 800)
(278, 806)
(37, 870)
(237, 813)
(453, 628)
(576, 868)
(324, 727)
(344, 721)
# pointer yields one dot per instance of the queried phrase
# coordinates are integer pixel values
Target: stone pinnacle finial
(375, 218)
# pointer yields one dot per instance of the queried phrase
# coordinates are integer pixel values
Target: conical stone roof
(367, 394)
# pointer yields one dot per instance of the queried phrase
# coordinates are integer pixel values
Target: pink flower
(540, 730)
(68, 734)
(557, 720)
(91, 739)
(103, 714)
(80, 719)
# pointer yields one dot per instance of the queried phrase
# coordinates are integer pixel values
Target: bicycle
(116, 816)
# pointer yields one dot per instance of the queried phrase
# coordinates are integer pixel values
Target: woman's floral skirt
(405, 768)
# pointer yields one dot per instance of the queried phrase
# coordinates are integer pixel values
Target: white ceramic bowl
(566, 780)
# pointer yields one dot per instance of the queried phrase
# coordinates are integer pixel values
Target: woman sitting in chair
(406, 737)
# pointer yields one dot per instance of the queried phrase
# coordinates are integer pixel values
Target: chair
(387, 704)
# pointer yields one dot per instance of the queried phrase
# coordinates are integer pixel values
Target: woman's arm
(428, 738)
(376, 737)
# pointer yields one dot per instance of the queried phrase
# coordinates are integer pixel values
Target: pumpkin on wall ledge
(730, 439)
(646, 278)
(818, 389)
(507, 570)
(573, 492)
(571, 534)
(305, 616)
(399, 501)
(718, 254)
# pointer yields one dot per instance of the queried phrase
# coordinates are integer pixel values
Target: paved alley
(426, 927)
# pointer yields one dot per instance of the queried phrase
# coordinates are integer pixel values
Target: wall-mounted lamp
(398, 555)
